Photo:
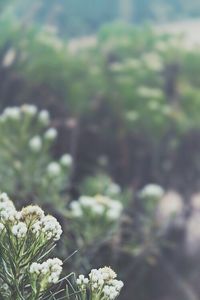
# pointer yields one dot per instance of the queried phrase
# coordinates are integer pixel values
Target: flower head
(51, 134)
(44, 117)
(35, 144)
(19, 230)
(32, 212)
(53, 169)
(102, 282)
(47, 272)
(29, 109)
(66, 160)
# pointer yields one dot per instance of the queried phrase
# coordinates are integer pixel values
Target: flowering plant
(93, 222)
(26, 239)
(94, 217)
(101, 284)
(26, 164)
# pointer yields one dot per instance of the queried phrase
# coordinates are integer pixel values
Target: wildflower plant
(26, 164)
(94, 217)
(146, 236)
(93, 222)
(26, 272)
(26, 237)
(101, 284)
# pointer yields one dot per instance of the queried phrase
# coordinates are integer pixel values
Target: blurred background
(100, 124)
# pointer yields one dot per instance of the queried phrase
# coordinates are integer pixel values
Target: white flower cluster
(49, 227)
(31, 217)
(15, 112)
(51, 134)
(54, 168)
(98, 205)
(27, 110)
(35, 143)
(19, 230)
(44, 117)
(66, 160)
(32, 212)
(49, 270)
(152, 191)
(7, 209)
(102, 281)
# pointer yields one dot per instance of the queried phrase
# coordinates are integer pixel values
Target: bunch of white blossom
(93, 220)
(46, 273)
(100, 284)
(98, 206)
(152, 191)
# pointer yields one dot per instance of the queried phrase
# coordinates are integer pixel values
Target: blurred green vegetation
(126, 104)
(128, 89)
(72, 18)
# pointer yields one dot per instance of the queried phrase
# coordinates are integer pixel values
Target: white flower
(107, 273)
(51, 134)
(4, 197)
(118, 284)
(51, 228)
(35, 144)
(82, 281)
(55, 268)
(103, 283)
(66, 160)
(29, 109)
(35, 268)
(96, 277)
(19, 230)
(86, 201)
(8, 211)
(12, 113)
(114, 189)
(32, 212)
(76, 209)
(114, 209)
(53, 169)
(44, 117)
(98, 208)
(110, 292)
(50, 270)
(152, 191)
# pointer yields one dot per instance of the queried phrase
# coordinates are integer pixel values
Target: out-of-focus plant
(93, 221)
(26, 239)
(145, 238)
(26, 163)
